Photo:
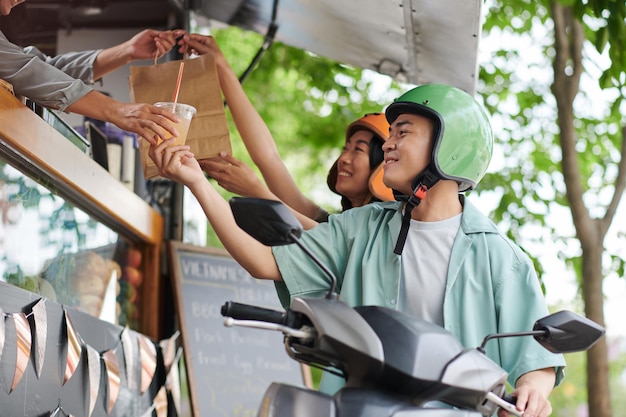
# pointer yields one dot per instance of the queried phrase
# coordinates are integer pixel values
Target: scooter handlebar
(249, 312)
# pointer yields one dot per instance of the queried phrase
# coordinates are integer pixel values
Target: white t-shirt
(425, 260)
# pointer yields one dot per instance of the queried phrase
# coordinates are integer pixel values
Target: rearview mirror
(566, 332)
(268, 221)
(273, 224)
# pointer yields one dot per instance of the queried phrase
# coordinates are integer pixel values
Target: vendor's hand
(150, 43)
(176, 163)
(234, 175)
(529, 400)
(146, 120)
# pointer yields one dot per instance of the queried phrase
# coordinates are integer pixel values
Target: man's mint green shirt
(492, 286)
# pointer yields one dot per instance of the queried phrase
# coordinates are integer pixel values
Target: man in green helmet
(431, 253)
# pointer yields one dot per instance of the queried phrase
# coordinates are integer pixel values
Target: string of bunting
(134, 345)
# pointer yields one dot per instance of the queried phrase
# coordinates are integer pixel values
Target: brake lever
(502, 403)
(305, 333)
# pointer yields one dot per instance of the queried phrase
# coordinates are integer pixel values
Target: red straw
(180, 78)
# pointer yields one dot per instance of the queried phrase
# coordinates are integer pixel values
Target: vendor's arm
(91, 65)
(148, 44)
(47, 85)
(178, 164)
(57, 82)
(34, 78)
(146, 120)
(531, 391)
(254, 132)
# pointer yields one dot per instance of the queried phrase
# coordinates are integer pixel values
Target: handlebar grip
(250, 312)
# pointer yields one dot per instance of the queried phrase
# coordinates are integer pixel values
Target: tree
(571, 142)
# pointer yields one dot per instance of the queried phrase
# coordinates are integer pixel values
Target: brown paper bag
(208, 132)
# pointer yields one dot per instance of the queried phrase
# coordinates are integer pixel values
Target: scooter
(393, 364)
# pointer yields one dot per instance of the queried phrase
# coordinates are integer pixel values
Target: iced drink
(185, 112)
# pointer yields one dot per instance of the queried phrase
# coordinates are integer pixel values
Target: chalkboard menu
(228, 368)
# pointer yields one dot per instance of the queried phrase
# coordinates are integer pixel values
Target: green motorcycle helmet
(463, 137)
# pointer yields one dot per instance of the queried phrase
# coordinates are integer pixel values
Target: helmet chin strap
(421, 184)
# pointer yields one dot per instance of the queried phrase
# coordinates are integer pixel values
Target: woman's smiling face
(353, 168)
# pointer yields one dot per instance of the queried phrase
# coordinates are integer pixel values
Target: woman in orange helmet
(348, 177)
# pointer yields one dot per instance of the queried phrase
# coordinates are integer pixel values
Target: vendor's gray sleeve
(75, 64)
(46, 82)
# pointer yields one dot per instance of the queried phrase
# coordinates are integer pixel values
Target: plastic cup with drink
(185, 112)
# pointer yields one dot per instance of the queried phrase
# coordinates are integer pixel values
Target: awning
(416, 41)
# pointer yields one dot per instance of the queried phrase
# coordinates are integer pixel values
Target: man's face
(407, 151)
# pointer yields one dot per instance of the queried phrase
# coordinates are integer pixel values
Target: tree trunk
(568, 42)
(597, 358)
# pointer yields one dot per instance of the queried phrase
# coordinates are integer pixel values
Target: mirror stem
(502, 335)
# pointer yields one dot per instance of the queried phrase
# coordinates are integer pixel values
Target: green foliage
(533, 207)
(607, 31)
(528, 175)
(19, 279)
(570, 397)
(515, 15)
(307, 102)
